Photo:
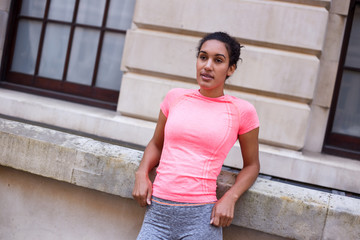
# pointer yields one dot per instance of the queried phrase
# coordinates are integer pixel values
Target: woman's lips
(206, 77)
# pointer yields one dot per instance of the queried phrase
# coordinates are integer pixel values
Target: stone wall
(268, 206)
(279, 72)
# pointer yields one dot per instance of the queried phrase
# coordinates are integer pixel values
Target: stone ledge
(69, 158)
(268, 206)
(321, 169)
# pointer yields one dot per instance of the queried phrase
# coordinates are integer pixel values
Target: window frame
(335, 143)
(60, 89)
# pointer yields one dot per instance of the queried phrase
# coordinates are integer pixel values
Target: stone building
(80, 88)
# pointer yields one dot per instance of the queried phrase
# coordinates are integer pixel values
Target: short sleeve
(164, 106)
(170, 99)
(248, 118)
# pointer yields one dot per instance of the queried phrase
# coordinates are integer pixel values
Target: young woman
(195, 131)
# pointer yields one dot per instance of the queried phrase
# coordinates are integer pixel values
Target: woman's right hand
(142, 191)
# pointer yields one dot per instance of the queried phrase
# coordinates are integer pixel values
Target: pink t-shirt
(199, 133)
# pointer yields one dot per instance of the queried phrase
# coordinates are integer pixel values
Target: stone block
(316, 128)
(288, 211)
(282, 122)
(76, 117)
(340, 7)
(262, 69)
(262, 21)
(168, 54)
(326, 82)
(343, 219)
(320, 3)
(313, 168)
(334, 37)
(69, 158)
(141, 95)
(5, 5)
(276, 72)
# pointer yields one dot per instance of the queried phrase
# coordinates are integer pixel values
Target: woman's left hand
(223, 212)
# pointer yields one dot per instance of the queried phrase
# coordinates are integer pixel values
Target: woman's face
(212, 68)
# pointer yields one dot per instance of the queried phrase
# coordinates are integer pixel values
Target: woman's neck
(211, 93)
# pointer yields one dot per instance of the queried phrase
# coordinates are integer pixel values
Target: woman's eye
(219, 60)
(202, 57)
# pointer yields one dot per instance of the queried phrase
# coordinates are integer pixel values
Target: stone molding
(269, 206)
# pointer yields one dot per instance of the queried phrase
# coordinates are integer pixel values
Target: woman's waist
(185, 188)
(167, 202)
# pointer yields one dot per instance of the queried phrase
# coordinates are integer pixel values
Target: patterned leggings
(170, 220)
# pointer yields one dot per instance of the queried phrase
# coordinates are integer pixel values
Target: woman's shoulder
(242, 104)
(248, 116)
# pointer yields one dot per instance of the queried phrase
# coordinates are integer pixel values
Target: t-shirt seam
(220, 145)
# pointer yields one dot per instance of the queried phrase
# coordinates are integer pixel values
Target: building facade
(102, 68)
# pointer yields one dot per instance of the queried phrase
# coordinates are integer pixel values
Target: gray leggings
(170, 220)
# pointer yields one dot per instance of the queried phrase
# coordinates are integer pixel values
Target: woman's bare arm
(143, 187)
(223, 211)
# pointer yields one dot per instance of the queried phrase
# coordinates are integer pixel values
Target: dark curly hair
(232, 46)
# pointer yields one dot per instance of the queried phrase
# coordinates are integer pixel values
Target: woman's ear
(231, 70)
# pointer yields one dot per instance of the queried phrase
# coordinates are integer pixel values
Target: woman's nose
(208, 65)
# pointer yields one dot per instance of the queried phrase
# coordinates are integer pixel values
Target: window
(343, 131)
(67, 49)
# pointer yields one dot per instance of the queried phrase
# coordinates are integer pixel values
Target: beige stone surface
(142, 94)
(240, 233)
(316, 128)
(322, 3)
(5, 5)
(340, 7)
(329, 61)
(318, 169)
(75, 117)
(343, 219)
(82, 161)
(161, 53)
(277, 72)
(295, 212)
(282, 122)
(39, 208)
(307, 214)
(326, 82)
(334, 37)
(262, 21)
(34, 207)
(313, 168)
(290, 211)
(262, 69)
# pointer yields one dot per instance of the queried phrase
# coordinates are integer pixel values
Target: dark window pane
(353, 52)
(26, 46)
(91, 12)
(347, 114)
(54, 51)
(83, 54)
(109, 74)
(62, 10)
(120, 14)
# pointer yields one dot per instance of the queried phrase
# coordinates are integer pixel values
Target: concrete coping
(268, 206)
